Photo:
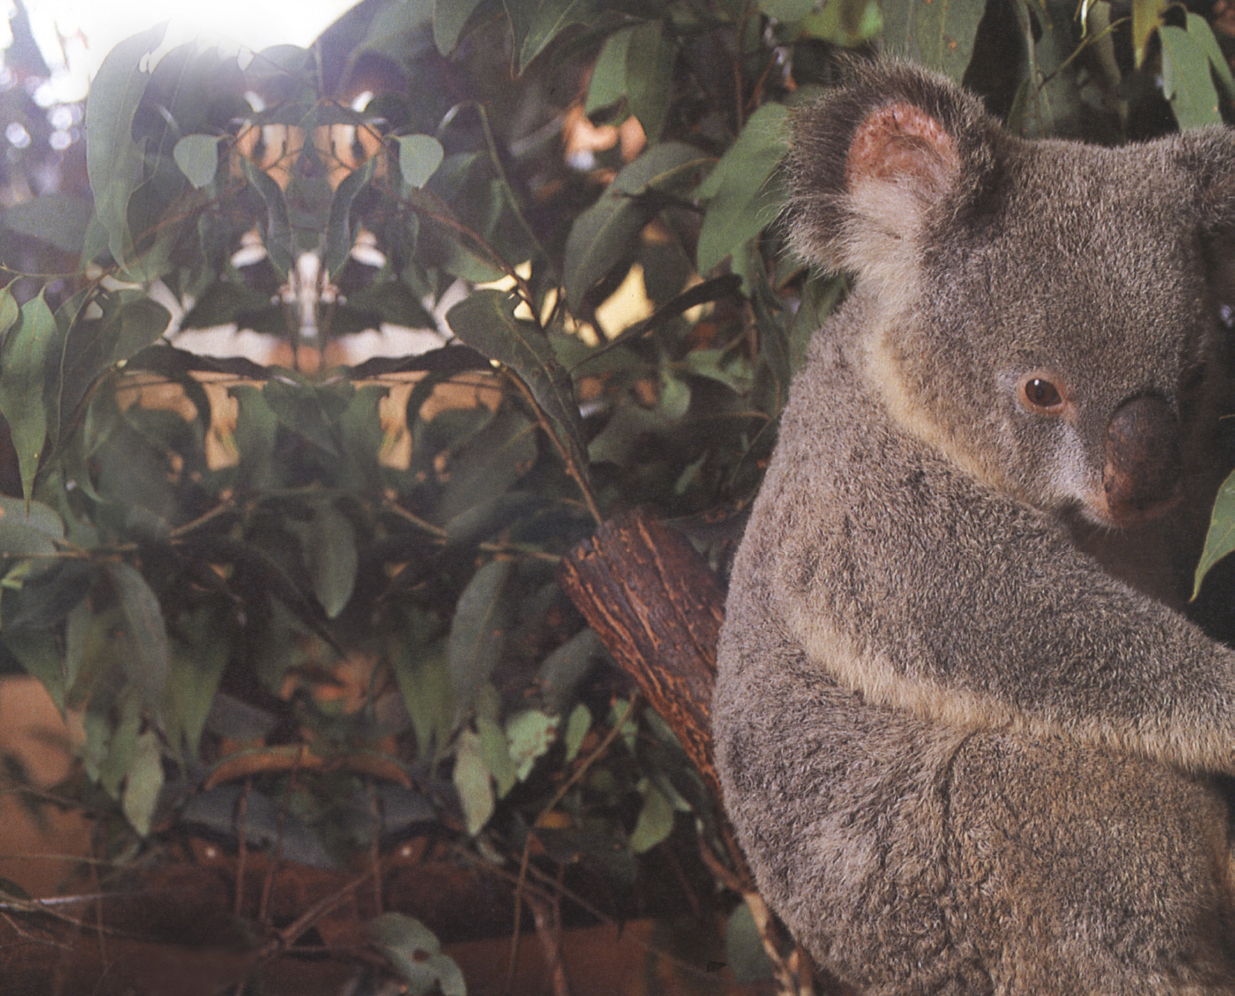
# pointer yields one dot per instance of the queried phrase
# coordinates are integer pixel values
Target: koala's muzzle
(1141, 478)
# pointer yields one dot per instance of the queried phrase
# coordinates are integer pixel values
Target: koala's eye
(1041, 395)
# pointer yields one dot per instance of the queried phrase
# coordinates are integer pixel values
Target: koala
(968, 741)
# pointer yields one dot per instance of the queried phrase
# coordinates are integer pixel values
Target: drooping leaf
(655, 821)
(473, 781)
(650, 57)
(744, 951)
(1146, 19)
(149, 655)
(38, 651)
(278, 235)
(339, 238)
(422, 672)
(143, 783)
(115, 163)
(478, 632)
(300, 407)
(605, 233)
(608, 83)
(1220, 539)
(493, 460)
(1186, 79)
(198, 158)
(141, 322)
(23, 373)
(195, 669)
(450, 17)
(419, 158)
(1202, 33)
(495, 752)
(938, 34)
(560, 673)
(742, 197)
(330, 553)
(547, 19)
(486, 321)
(577, 726)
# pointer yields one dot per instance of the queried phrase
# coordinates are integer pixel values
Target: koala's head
(1044, 312)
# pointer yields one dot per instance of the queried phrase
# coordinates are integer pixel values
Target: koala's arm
(911, 583)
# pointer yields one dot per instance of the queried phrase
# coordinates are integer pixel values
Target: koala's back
(976, 853)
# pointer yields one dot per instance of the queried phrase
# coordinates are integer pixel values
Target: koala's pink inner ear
(902, 142)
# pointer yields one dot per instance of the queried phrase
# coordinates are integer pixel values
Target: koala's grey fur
(966, 745)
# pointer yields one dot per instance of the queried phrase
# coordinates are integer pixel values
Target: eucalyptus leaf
(115, 163)
(935, 33)
(416, 954)
(1187, 81)
(339, 237)
(650, 57)
(655, 821)
(149, 655)
(198, 158)
(473, 782)
(1220, 540)
(143, 783)
(419, 158)
(450, 17)
(58, 219)
(486, 321)
(23, 372)
(605, 233)
(478, 632)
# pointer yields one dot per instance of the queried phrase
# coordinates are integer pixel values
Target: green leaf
(330, 553)
(339, 238)
(419, 158)
(300, 407)
(58, 219)
(1146, 19)
(278, 235)
(422, 673)
(560, 673)
(450, 17)
(744, 951)
(608, 83)
(546, 21)
(576, 729)
(198, 158)
(1220, 539)
(1186, 79)
(742, 199)
(141, 323)
(27, 529)
(495, 751)
(143, 783)
(490, 462)
(38, 651)
(415, 953)
(939, 34)
(607, 232)
(9, 312)
(655, 821)
(650, 57)
(530, 734)
(473, 782)
(115, 163)
(478, 632)
(149, 658)
(1199, 29)
(198, 656)
(23, 373)
(485, 320)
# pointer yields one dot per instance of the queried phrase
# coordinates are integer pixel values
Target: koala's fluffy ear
(872, 160)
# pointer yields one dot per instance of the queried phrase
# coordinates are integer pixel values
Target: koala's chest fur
(963, 738)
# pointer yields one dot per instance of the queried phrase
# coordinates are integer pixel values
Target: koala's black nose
(1142, 473)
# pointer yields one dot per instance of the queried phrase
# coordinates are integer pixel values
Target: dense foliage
(325, 572)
